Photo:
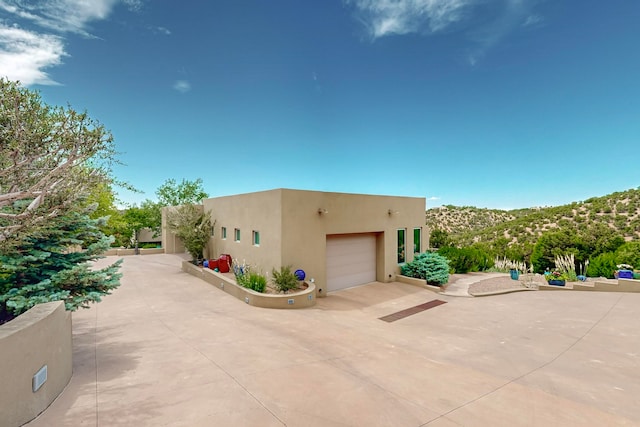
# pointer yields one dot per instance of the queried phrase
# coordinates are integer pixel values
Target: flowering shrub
(624, 267)
(555, 275)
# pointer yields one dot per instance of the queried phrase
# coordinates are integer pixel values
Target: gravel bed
(495, 284)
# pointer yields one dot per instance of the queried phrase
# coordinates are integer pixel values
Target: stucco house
(340, 240)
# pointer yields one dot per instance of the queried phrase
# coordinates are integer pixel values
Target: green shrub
(439, 238)
(464, 260)
(432, 267)
(284, 280)
(602, 265)
(149, 246)
(629, 253)
(257, 282)
(243, 280)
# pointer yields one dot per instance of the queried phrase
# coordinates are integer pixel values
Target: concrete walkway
(460, 288)
(167, 349)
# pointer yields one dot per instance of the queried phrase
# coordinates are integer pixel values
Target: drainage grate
(413, 310)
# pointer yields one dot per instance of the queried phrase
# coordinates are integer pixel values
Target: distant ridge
(619, 212)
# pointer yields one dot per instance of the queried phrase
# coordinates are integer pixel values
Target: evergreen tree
(53, 263)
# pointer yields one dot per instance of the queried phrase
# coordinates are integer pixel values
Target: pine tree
(54, 263)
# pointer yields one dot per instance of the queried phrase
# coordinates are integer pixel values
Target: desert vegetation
(602, 230)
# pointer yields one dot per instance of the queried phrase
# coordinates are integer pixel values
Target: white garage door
(351, 260)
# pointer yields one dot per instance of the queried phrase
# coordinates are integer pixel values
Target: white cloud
(134, 5)
(24, 55)
(484, 22)
(532, 20)
(385, 17)
(64, 16)
(162, 30)
(182, 86)
(433, 198)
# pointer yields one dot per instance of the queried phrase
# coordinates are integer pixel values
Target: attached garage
(351, 260)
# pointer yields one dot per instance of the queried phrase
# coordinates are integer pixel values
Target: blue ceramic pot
(556, 282)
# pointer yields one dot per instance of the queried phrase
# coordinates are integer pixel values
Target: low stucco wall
(420, 283)
(302, 299)
(620, 285)
(39, 337)
(123, 252)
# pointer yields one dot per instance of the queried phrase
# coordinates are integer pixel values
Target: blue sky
(489, 103)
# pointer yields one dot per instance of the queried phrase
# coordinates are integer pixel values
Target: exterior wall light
(392, 212)
(322, 211)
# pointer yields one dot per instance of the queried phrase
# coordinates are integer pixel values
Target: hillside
(618, 211)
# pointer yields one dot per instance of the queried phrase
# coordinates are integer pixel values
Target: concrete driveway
(167, 349)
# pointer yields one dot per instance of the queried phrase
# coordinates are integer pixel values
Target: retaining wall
(39, 338)
(302, 299)
(421, 283)
(605, 285)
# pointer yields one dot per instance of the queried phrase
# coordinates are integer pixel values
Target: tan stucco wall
(292, 232)
(259, 211)
(41, 336)
(147, 235)
(305, 230)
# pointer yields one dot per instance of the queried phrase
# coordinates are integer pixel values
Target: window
(417, 234)
(256, 238)
(223, 232)
(236, 234)
(401, 244)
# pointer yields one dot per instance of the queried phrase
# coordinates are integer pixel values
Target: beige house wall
(294, 225)
(147, 235)
(39, 337)
(305, 229)
(259, 212)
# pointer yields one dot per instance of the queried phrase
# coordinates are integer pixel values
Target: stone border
(302, 299)
(39, 338)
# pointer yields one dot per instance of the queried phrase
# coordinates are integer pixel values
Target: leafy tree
(149, 213)
(187, 192)
(192, 225)
(439, 238)
(551, 244)
(464, 260)
(602, 265)
(52, 264)
(49, 158)
(629, 253)
(105, 200)
(519, 251)
(135, 219)
(500, 246)
(599, 239)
